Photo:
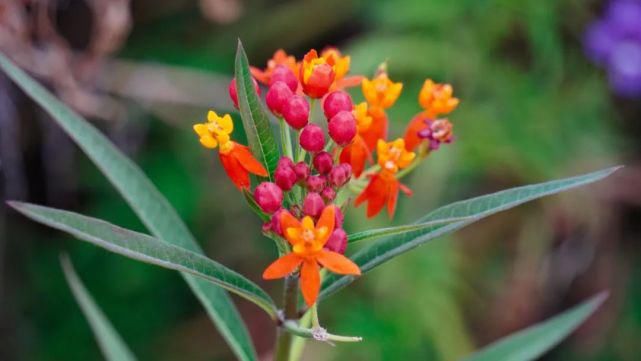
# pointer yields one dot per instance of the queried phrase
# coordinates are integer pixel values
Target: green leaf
(147, 202)
(146, 249)
(373, 234)
(534, 341)
(471, 210)
(255, 119)
(109, 341)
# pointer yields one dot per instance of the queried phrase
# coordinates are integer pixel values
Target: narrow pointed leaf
(534, 341)
(146, 249)
(373, 234)
(109, 341)
(255, 119)
(144, 198)
(472, 210)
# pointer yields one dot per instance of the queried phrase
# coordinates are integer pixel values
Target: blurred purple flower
(614, 42)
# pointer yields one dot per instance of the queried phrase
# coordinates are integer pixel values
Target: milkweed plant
(330, 153)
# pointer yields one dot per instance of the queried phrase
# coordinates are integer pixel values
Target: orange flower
(437, 98)
(377, 130)
(357, 152)
(316, 75)
(383, 187)
(280, 58)
(381, 93)
(237, 159)
(307, 241)
(341, 66)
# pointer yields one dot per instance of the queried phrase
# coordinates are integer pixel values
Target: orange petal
(376, 131)
(338, 263)
(393, 198)
(247, 160)
(348, 82)
(282, 266)
(411, 134)
(287, 220)
(310, 281)
(260, 75)
(234, 170)
(376, 194)
(327, 219)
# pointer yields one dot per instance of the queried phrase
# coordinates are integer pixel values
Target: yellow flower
(215, 132)
(363, 120)
(381, 92)
(340, 63)
(393, 156)
(437, 98)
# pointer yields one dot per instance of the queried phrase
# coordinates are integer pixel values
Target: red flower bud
(296, 111)
(328, 194)
(312, 138)
(342, 128)
(302, 171)
(268, 196)
(337, 242)
(316, 183)
(284, 74)
(277, 95)
(233, 92)
(335, 102)
(285, 177)
(319, 82)
(340, 174)
(313, 204)
(323, 162)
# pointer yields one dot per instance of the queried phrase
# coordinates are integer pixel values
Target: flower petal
(282, 266)
(247, 160)
(326, 220)
(338, 263)
(234, 170)
(287, 220)
(310, 281)
(393, 198)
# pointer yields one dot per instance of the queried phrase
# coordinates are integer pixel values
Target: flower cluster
(346, 150)
(614, 42)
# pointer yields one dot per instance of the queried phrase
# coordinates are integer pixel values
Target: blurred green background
(532, 108)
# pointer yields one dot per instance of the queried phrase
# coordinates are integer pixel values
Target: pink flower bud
(274, 223)
(313, 204)
(277, 95)
(268, 196)
(335, 102)
(340, 174)
(342, 128)
(285, 162)
(285, 177)
(284, 74)
(339, 218)
(328, 194)
(233, 92)
(296, 111)
(316, 183)
(337, 242)
(312, 138)
(323, 162)
(302, 171)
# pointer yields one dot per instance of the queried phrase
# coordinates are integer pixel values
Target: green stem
(284, 339)
(286, 139)
(318, 334)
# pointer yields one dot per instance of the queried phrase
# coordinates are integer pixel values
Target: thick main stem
(284, 339)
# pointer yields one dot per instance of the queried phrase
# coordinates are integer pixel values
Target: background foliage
(533, 108)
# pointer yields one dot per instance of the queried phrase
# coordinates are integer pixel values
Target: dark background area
(533, 108)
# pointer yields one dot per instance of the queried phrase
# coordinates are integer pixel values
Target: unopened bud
(233, 91)
(342, 128)
(277, 95)
(284, 74)
(323, 162)
(336, 102)
(269, 197)
(316, 183)
(337, 242)
(296, 111)
(313, 204)
(312, 138)
(340, 174)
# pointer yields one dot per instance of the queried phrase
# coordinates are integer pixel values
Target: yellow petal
(201, 129)
(226, 124)
(208, 142)
(212, 116)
